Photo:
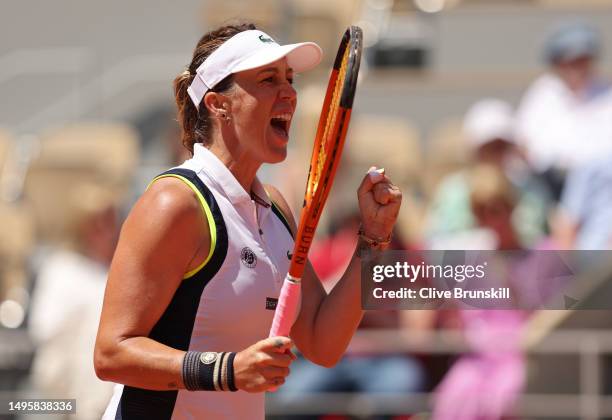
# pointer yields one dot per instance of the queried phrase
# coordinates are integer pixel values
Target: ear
(215, 102)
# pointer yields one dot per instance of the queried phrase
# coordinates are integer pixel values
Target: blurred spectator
(492, 200)
(67, 301)
(371, 373)
(564, 120)
(584, 219)
(485, 383)
(488, 128)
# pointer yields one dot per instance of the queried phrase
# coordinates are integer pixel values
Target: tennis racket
(326, 153)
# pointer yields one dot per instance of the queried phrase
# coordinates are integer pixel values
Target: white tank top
(225, 305)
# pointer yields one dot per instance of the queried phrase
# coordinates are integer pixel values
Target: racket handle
(287, 307)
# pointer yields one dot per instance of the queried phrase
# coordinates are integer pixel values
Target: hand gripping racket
(326, 153)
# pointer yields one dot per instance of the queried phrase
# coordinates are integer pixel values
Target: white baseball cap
(249, 50)
(487, 120)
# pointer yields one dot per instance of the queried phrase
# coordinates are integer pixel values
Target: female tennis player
(202, 255)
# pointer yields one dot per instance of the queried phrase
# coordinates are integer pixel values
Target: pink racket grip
(287, 307)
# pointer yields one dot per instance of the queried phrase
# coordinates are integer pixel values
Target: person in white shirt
(202, 255)
(564, 119)
(67, 301)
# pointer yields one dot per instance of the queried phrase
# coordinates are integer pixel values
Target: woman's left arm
(326, 322)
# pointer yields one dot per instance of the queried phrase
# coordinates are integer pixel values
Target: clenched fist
(379, 204)
(263, 366)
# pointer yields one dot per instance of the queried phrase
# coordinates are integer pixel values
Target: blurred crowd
(533, 176)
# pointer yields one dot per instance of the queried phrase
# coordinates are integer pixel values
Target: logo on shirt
(271, 303)
(248, 257)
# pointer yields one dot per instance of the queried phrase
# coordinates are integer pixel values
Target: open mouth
(280, 124)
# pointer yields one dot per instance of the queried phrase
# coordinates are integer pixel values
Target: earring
(224, 114)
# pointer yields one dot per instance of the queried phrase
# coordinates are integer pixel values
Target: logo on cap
(264, 39)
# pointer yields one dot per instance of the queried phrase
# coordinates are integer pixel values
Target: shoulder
(547, 87)
(169, 206)
(280, 202)
(589, 177)
(163, 233)
(171, 196)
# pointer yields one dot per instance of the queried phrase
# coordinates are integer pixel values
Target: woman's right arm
(165, 236)
(160, 241)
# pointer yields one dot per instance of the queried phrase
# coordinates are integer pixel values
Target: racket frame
(316, 195)
(316, 192)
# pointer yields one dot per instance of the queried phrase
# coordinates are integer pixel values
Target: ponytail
(195, 122)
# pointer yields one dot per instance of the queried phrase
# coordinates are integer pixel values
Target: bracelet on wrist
(209, 371)
(373, 242)
(367, 244)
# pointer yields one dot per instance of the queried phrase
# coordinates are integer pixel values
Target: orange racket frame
(327, 150)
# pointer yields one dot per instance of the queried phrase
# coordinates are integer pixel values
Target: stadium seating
(74, 155)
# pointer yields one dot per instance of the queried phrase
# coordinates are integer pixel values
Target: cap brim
(300, 57)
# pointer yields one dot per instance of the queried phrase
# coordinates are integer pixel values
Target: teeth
(283, 117)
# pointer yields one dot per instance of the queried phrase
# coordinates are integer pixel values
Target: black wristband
(208, 371)
(191, 363)
(230, 372)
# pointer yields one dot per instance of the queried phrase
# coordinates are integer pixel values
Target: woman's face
(261, 107)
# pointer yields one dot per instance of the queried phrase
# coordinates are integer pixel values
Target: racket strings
(330, 123)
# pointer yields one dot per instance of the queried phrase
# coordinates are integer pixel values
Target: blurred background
(494, 116)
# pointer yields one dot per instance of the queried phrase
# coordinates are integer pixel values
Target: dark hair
(195, 122)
